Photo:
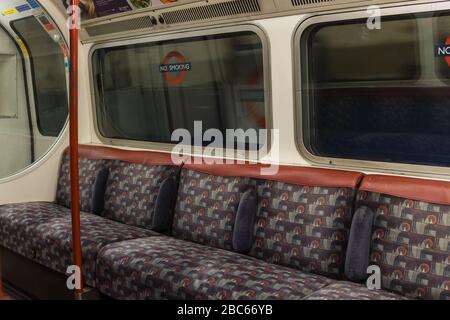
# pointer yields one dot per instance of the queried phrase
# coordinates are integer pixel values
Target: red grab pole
(73, 123)
(2, 296)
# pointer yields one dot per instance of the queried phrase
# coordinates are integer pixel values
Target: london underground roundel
(174, 68)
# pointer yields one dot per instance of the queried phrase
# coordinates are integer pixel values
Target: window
(50, 87)
(145, 91)
(33, 94)
(378, 95)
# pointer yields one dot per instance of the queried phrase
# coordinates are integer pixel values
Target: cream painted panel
(279, 31)
(37, 183)
(86, 116)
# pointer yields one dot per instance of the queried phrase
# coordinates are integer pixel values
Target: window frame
(42, 132)
(177, 35)
(300, 108)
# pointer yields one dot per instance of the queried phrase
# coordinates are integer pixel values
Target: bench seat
(169, 268)
(232, 233)
(53, 241)
(18, 221)
(42, 232)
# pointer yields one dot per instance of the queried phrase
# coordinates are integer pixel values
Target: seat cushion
(17, 221)
(169, 268)
(53, 241)
(351, 291)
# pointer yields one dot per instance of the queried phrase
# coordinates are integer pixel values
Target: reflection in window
(374, 94)
(146, 91)
(49, 81)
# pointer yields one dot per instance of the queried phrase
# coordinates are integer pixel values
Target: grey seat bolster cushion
(245, 221)
(358, 250)
(164, 205)
(98, 193)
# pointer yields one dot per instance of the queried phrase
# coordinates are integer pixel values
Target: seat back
(88, 171)
(208, 198)
(411, 234)
(302, 221)
(132, 189)
(304, 217)
(132, 186)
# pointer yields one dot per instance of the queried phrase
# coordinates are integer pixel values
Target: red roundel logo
(174, 68)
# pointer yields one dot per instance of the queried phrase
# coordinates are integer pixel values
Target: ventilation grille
(210, 11)
(297, 3)
(120, 26)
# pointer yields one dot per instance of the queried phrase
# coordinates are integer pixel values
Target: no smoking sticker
(444, 51)
(174, 68)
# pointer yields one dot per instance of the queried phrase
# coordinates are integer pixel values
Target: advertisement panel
(102, 8)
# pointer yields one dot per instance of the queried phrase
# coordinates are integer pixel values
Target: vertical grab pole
(73, 123)
(1, 281)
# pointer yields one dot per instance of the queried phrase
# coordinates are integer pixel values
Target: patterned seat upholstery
(303, 218)
(301, 230)
(351, 291)
(88, 171)
(303, 222)
(17, 221)
(411, 234)
(53, 241)
(42, 231)
(305, 227)
(131, 191)
(169, 268)
(205, 211)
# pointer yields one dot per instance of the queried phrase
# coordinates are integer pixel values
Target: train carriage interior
(224, 150)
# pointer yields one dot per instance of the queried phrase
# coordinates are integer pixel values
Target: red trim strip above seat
(432, 191)
(138, 157)
(289, 174)
(318, 177)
